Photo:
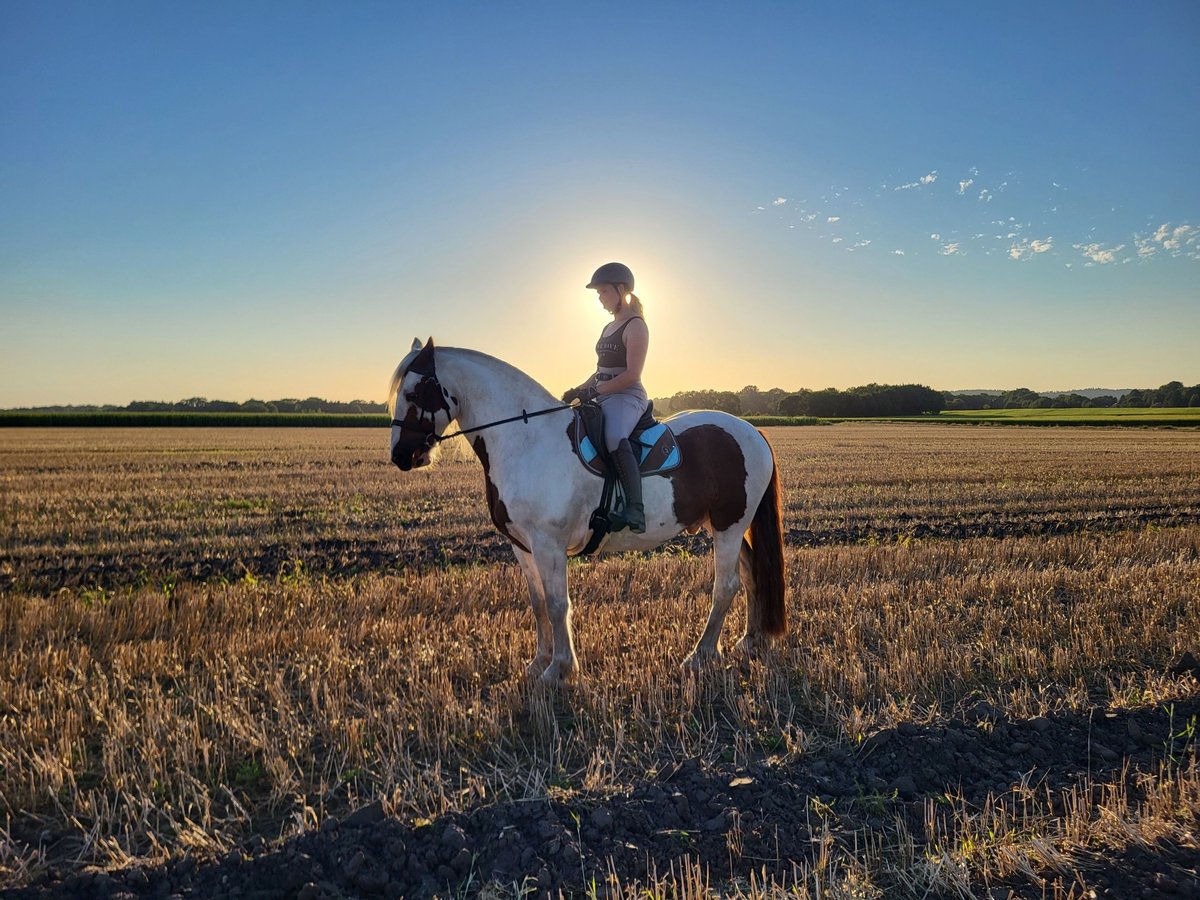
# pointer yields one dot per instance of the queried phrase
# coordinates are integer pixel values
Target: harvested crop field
(265, 663)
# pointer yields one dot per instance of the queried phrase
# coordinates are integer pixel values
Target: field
(265, 663)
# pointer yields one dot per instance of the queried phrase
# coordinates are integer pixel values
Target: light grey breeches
(621, 413)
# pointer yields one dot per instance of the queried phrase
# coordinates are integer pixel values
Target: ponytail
(636, 305)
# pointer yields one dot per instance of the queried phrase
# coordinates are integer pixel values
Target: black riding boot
(632, 514)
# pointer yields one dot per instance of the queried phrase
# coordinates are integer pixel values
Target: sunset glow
(235, 202)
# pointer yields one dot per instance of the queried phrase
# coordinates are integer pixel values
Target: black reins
(433, 438)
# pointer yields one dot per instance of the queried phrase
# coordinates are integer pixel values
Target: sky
(263, 200)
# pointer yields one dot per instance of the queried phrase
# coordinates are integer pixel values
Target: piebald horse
(541, 497)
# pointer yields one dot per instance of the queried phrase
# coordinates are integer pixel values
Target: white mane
(397, 377)
(476, 356)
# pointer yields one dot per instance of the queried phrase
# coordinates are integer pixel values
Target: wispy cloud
(1011, 230)
(1027, 249)
(920, 182)
(1175, 238)
(1098, 254)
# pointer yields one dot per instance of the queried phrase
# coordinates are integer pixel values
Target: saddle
(652, 441)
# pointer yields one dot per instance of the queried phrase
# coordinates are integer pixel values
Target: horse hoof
(697, 661)
(537, 666)
(750, 647)
(558, 673)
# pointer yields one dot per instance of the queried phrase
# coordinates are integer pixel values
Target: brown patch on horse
(711, 484)
(496, 506)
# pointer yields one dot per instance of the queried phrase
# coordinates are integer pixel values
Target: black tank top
(610, 350)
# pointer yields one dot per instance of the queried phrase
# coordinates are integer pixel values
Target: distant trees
(203, 404)
(760, 403)
(1172, 394)
(868, 400)
(872, 400)
(725, 401)
(857, 402)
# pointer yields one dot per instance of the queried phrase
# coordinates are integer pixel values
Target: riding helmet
(612, 273)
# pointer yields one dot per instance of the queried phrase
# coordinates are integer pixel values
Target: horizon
(1116, 392)
(225, 201)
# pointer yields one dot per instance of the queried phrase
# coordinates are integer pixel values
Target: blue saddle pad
(655, 447)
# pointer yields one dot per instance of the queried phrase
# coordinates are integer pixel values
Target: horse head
(420, 408)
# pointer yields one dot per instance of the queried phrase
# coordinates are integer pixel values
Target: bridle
(429, 397)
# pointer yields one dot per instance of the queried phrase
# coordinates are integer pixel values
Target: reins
(523, 417)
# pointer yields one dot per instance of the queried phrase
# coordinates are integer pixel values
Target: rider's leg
(633, 513)
(621, 414)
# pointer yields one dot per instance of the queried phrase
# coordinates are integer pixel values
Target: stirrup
(631, 516)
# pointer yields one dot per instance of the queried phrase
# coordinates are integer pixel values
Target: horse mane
(397, 377)
(478, 356)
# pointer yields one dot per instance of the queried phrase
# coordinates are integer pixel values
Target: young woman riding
(617, 383)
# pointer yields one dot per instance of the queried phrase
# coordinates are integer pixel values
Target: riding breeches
(621, 412)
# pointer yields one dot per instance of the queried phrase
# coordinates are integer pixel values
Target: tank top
(610, 350)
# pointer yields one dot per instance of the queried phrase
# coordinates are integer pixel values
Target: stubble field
(266, 663)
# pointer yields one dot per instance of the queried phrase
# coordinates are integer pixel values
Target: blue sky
(271, 199)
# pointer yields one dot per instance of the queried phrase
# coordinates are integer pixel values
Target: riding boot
(633, 513)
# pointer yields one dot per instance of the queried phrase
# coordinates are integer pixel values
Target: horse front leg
(551, 562)
(537, 599)
(726, 581)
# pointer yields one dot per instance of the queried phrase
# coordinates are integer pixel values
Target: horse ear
(423, 363)
(416, 345)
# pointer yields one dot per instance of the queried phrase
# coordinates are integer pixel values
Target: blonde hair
(631, 300)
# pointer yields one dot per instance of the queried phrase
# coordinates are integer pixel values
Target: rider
(617, 384)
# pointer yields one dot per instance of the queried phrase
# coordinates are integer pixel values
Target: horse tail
(762, 565)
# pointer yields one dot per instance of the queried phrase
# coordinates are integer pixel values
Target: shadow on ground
(731, 820)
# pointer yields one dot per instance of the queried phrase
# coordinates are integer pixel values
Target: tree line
(864, 401)
(203, 404)
(856, 402)
(910, 400)
(1171, 395)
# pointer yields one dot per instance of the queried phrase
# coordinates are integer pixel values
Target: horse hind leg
(726, 547)
(753, 640)
(537, 599)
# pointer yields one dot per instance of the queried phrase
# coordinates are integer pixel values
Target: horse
(541, 497)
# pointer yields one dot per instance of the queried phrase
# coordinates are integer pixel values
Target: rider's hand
(588, 394)
(570, 395)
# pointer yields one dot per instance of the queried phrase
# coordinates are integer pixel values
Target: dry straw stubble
(210, 634)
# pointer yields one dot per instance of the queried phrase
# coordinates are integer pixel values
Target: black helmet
(612, 273)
